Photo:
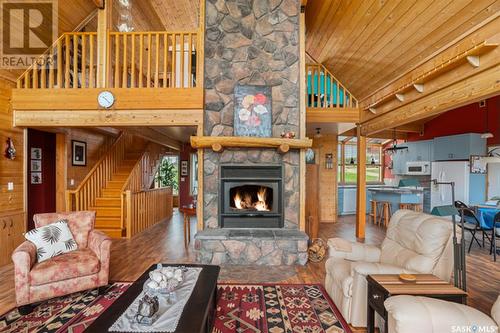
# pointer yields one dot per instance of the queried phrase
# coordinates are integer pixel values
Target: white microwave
(418, 168)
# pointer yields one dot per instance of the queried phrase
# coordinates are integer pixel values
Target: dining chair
(494, 234)
(459, 204)
(473, 225)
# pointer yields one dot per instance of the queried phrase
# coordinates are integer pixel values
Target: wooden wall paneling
(361, 186)
(327, 144)
(302, 118)
(312, 196)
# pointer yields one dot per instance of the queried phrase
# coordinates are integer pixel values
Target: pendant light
(395, 148)
(486, 134)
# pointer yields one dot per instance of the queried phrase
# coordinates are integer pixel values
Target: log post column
(361, 186)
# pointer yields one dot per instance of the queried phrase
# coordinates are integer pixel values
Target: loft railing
(135, 60)
(84, 196)
(324, 91)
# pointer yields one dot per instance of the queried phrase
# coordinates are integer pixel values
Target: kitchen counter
(400, 190)
(398, 195)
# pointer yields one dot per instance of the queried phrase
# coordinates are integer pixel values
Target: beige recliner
(431, 315)
(414, 243)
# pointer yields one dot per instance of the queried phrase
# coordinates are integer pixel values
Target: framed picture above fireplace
(253, 111)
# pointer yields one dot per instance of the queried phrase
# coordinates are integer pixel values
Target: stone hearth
(251, 42)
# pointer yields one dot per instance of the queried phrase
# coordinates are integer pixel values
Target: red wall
(185, 197)
(466, 119)
(42, 197)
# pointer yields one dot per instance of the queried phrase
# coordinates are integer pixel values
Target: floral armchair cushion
(52, 240)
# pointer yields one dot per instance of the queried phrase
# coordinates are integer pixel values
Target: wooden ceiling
(368, 44)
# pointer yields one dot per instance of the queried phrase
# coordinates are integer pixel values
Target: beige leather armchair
(431, 315)
(414, 243)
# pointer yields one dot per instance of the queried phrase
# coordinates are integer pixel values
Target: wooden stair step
(107, 222)
(115, 184)
(111, 193)
(113, 232)
(108, 202)
(107, 211)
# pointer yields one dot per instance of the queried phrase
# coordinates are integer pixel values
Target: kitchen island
(398, 195)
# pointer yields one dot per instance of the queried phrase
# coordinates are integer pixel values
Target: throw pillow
(52, 240)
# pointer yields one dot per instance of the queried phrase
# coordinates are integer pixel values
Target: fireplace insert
(251, 196)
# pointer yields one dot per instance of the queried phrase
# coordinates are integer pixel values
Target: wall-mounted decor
(79, 153)
(252, 111)
(184, 168)
(310, 156)
(10, 151)
(36, 178)
(36, 165)
(478, 164)
(36, 153)
(328, 161)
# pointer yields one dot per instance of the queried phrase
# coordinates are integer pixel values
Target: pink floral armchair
(85, 268)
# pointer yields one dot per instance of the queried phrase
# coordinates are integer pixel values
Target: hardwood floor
(164, 243)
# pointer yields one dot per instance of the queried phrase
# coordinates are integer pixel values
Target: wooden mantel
(218, 143)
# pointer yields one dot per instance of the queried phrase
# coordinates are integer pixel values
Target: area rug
(72, 313)
(280, 308)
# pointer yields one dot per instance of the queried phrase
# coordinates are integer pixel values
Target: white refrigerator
(450, 171)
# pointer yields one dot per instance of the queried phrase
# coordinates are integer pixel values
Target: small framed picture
(36, 178)
(478, 164)
(184, 168)
(79, 153)
(36, 165)
(36, 153)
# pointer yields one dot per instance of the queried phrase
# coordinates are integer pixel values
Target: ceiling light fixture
(395, 148)
(318, 133)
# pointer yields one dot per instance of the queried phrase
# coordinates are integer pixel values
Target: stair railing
(84, 196)
(325, 91)
(139, 182)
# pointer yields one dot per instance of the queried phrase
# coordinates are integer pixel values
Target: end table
(383, 286)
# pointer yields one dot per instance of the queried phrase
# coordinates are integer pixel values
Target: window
(194, 174)
(168, 174)
(348, 163)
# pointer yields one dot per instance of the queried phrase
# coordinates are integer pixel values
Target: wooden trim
(150, 134)
(61, 172)
(333, 115)
(200, 204)
(126, 99)
(90, 118)
(248, 142)
(361, 186)
(302, 117)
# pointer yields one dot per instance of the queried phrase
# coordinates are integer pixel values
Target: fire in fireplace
(251, 196)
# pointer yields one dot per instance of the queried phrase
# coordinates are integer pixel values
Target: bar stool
(411, 206)
(374, 211)
(386, 213)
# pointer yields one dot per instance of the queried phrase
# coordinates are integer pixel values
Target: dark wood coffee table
(383, 286)
(198, 313)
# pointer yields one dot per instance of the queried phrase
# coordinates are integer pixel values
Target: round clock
(106, 99)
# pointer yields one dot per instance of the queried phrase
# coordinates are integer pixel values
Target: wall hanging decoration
(36, 178)
(36, 165)
(36, 153)
(310, 156)
(10, 151)
(328, 161)
(184, 168)
(253, 111)
(79, 153)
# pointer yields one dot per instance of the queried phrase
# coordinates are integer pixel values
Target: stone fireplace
(251, 196)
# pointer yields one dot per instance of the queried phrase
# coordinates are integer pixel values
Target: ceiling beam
(387, 134)
(150, 15)
(150, 134)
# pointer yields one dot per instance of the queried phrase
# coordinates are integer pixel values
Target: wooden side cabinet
(12, 229)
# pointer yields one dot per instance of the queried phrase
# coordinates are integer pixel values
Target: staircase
(108, 205)
(127, 170)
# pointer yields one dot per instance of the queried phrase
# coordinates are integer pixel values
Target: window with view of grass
(348, 164)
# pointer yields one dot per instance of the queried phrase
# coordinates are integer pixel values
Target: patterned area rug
(72, 313)
(276, 309)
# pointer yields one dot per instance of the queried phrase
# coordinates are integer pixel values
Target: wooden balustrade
(91, 187)
(135, 60)
(146, 208)
(325, 91)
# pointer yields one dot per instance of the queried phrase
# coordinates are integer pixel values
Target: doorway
(41, 174)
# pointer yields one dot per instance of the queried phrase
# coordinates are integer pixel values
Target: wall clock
(106, 99)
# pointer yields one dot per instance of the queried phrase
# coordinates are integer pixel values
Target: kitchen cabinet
(12, 229)
(458, 147)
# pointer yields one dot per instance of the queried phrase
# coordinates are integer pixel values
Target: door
(41, 175)
(493, 180)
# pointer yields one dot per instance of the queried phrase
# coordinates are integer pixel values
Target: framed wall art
(36, 153)
(252, 111)
(78, 153)
(184, 168)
